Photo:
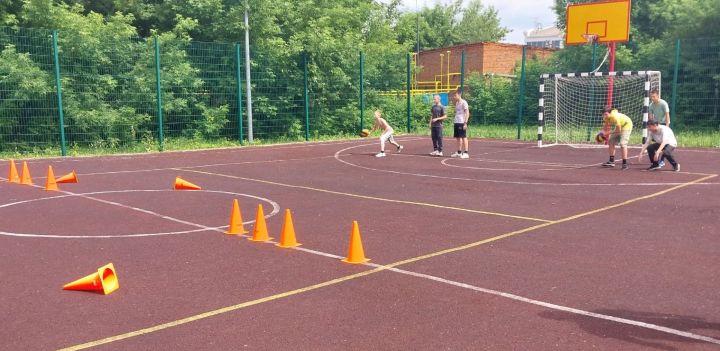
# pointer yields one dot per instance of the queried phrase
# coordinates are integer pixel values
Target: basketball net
(591, 40)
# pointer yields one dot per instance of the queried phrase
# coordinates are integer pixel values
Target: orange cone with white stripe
(356, 254)
(287, 238)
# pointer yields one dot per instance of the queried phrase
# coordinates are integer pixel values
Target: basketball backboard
(609, 20)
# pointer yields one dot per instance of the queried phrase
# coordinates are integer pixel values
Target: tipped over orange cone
(182, 184)
(356, 254)
(25, 177)
(68, 178)
(260, 232)
(236, 221)
(50, 184)
(103, 281)
(13, 174)
(287, 238)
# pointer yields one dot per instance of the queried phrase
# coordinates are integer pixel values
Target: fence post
(673, 103)
(462, 72)
(521, 93)
(362, 90)
(158, 87)
(407, 91)
(238, 92)
(58, 87)
(307, 98)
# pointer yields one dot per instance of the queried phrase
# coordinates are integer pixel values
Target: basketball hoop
(590, 38)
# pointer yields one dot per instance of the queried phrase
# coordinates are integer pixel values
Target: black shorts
(458, 131)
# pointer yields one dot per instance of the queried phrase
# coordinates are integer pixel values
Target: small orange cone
(236, 222)
(287, 238)
(260, 232)
(182, 184)
(356, 254)
(68, 178)
(50, 184)
(13, 175)
(25, 177)
(104, 281)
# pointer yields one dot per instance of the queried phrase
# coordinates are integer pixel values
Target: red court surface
(516, 248)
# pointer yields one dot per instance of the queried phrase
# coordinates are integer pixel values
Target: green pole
(158, 87)
(58, 87)
(362, 90)
(521, 93)
(594, 57)
(307, 99)
(462, 72)
(238, 92)
(588, 131)
(673, 103)
(407, 91)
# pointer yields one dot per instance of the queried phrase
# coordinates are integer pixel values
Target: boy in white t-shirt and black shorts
(462, 116)
(663, 147)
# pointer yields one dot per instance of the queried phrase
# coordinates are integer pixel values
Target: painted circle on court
(200, 228)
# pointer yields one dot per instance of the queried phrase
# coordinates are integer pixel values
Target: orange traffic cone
(356, 254)
(50, 184)
(68, 178)
(182, 184)
(287, 238)
(25, 177)
(13, 175)
(236, 222)
(104, 281)
(260, 232)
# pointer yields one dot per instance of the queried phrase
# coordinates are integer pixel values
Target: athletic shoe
(465, 155)
(400, 148)
(434, 153)
(661, 164)
(676, 168)
(608, 164)
(457, 154)
(439, 153)
(380, 154)
(654, 167)
(624, 166)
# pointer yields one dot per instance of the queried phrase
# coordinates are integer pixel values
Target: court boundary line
(391, 266)
(339, 159)
(367, 197)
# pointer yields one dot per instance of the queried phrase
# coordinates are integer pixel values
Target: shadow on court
(647, 338)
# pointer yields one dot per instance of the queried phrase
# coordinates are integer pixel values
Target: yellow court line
(368, 197)
(216, 312)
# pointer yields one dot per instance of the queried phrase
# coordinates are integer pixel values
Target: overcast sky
(517, 15)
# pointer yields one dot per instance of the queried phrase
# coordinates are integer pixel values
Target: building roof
(543, 33)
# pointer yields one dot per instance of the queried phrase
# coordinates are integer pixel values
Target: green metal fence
(60, 93)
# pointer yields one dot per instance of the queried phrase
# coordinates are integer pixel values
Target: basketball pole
(612, 69)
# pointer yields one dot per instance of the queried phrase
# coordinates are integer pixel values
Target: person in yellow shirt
(617, 128)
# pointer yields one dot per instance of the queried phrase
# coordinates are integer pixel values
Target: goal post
(570, 105)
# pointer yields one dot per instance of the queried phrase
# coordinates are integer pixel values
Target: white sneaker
(465, 155)
(457, 154)
(439, 153)
(434, 153)
(400, 148)
(380, 154)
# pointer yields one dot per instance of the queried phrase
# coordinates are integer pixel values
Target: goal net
(570, 105)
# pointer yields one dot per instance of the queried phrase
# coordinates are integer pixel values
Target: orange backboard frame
(609, 20)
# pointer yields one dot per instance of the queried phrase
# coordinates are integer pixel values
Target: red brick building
(484, 58)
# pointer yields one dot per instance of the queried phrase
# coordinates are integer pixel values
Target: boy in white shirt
(663, 147)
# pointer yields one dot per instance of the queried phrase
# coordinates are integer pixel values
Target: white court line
(557, 168)
(276, 210)
(342, 151)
